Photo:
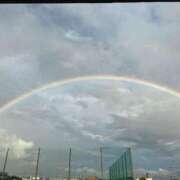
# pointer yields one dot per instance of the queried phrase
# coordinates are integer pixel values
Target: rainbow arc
(85, 78)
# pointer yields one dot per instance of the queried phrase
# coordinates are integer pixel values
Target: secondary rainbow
(85, 78)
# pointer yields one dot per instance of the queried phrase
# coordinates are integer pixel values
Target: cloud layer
(43, 43)
(86, 115)
(17, 145)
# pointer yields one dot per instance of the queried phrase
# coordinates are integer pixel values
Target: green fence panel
(122, 168)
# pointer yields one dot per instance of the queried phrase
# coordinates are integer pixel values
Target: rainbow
(85, 78)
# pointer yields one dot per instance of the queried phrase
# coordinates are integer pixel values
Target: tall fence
(122, 168)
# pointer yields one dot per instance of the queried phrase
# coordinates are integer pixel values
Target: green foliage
(5, 176)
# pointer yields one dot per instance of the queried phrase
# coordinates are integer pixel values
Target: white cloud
(74, 36)
(17, 145)
(159, 172)
(97, 137)
(87, 170)
(123, 90)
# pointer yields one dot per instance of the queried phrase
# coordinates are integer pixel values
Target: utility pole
(37, 164)
(69, 169)
(5, 162)
(101, 161)
(1, 156)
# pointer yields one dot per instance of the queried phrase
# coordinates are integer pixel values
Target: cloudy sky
(40, 44)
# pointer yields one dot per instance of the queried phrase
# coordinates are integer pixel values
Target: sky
(44, 43)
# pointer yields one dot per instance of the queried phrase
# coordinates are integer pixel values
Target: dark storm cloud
(151, 138)
(62, 18)
(50, 36)
(67, 41)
